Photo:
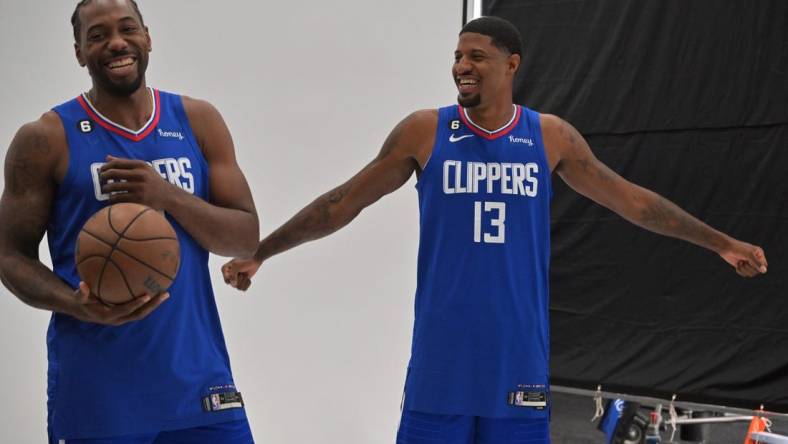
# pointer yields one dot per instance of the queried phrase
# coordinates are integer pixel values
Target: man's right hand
(88, 308)
(238, 272)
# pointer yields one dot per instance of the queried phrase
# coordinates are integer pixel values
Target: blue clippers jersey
(152, 374)
(480, 338)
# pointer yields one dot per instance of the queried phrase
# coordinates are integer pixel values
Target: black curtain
(689, 99)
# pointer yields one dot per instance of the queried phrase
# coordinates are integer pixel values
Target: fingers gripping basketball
(125, 251)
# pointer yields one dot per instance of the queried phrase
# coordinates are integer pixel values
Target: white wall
(310, 89)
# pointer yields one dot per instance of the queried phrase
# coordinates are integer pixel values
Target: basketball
(125, 251)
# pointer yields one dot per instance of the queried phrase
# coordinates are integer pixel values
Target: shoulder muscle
(38, 153)
(414, 136)
(209, 127)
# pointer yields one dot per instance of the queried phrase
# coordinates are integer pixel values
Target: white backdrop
(320, 344)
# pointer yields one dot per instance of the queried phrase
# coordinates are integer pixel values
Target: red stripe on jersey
(486, 134)
(111, 126)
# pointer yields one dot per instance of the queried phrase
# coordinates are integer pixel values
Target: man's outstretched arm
(393, 166)
(573, 160)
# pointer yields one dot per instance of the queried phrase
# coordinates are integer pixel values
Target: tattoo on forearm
(325, 214)
(665, 217)
(312, 222)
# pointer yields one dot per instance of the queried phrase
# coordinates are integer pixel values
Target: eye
(129, 29)
(94, 37)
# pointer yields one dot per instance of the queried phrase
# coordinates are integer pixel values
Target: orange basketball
(125, 251)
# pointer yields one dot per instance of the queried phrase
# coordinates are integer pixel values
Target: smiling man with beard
(146, 371)
(479, 366)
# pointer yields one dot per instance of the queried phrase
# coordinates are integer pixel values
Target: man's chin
(469, 101)
(123, 89)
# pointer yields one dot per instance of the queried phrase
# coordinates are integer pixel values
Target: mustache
(122, 53)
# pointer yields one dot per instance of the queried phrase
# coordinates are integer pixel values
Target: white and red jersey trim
(487, 134)
(121, 130)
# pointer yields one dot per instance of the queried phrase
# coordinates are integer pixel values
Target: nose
(463, 65)
(117, 43)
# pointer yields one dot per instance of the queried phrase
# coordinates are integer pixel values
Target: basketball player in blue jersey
(479, 366)
(147, 371)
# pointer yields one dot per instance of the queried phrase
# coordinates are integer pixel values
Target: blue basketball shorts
(233, 432)
(427, 428)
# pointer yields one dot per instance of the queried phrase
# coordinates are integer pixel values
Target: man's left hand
(134, 181)
(749, 260)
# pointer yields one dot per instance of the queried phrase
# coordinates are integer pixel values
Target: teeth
(467, 82)
(120, 63)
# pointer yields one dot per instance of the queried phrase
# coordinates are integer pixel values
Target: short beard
(123, 90)
(469, 102)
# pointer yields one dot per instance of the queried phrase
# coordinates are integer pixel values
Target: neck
(492, 115)
(131, 111)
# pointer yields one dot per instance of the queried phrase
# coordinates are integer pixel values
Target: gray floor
(571, 424)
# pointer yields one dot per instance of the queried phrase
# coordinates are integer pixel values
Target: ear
(148, 40)
(514, 63)
(78, 53)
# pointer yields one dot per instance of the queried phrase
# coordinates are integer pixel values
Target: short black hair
(503, 33)
(77, 24)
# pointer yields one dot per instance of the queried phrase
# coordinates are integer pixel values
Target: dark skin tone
(484, 76)
(37, 160)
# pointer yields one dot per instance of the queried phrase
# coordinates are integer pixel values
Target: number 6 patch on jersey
(85, 126)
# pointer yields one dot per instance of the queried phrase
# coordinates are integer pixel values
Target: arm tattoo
(24, 212)
(20, 169)
(393, 139)
(327, 214)
(312, 222)
(584, 159)
(663, 216)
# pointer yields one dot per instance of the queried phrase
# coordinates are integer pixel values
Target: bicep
(228, 186)
(392, 167)
(584, 173)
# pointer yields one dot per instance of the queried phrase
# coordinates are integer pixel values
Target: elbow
(4, 267)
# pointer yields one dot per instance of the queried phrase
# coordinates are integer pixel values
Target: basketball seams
(131, 222)
(146, 265)
(123, 276)
(132, 259)
(109, 221)
(120, 272)
(114, 247)
(101, 278)
(97, 237)
(112, 227)
(150, 238)
(92, 256)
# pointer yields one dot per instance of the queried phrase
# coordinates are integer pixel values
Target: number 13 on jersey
(497, 222)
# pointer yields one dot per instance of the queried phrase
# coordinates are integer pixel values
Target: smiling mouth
(467, 86)
(121, 63)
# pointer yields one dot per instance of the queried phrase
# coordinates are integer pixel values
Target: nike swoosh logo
(453, 139)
